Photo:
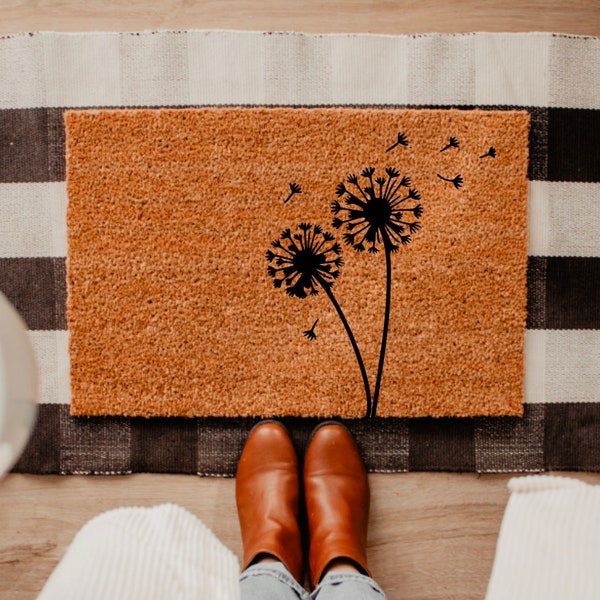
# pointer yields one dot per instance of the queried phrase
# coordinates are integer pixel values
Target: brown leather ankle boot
(267, 493)
(336, 490)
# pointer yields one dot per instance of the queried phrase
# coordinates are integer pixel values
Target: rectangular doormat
(553, 78)
(305, 262)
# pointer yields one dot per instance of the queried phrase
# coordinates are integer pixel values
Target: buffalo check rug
(57, 90)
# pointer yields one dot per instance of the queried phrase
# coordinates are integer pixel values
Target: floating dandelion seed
(491, 153)
(453, 143)
(383, 212)
(310, 333)
(457, 181)
(294, 189)
(301, 261)
(401, 141)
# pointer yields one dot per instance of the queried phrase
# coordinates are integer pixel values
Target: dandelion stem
(327, 287)
(386, 323)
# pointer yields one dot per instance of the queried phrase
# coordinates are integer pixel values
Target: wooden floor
(431, 535)
(315, 16)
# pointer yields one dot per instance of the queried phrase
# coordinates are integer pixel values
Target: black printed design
(294, 189)
(400, 141)
(374, 212)
(303, 261)
(379, 212)
(310, 333)
(491, 153)
(453, 143)
(457, 181)
(382, 213)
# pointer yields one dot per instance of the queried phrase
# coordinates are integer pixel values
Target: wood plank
(432, 535)
(314, 16)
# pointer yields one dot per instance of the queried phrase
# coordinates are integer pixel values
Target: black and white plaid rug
(555, 77)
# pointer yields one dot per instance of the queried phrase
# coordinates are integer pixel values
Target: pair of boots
(336, 492)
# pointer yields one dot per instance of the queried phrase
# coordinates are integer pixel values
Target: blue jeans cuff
(278, 571)
(334, 578)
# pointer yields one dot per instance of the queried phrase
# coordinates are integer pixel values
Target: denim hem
(334, 578)
(278, 571)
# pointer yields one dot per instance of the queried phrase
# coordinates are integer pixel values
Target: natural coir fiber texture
(186, 228)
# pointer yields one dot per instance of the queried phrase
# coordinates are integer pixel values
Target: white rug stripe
(564, 219)
(33, 220)
(51, 349)
(562, 366)
(226, 67)
(574, 72)
(513, 70)
(81, 70)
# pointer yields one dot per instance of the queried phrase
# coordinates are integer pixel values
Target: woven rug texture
(554, 78)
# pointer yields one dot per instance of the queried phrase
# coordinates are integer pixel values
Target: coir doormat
(301, 262)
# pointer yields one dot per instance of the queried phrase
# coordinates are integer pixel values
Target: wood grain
(431, 536)
(314, 16)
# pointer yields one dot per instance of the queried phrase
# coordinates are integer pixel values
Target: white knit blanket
(549, 542)
(145, 553)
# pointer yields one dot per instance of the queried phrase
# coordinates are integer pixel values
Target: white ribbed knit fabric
(549, 543)
(145, 553)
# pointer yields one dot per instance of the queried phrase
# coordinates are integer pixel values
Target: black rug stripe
(562, 142)
(164, 445)
(572, 437)
(442, 444)
(563, 292)
(32, 145)
(42, 454)
(548, 437)
(573, 145)
(37, 288)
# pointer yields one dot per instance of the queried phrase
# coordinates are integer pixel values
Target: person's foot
(267, 493)
(336, 490)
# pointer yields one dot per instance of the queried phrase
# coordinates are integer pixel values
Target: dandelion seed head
(372, 217)
(312, 259)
